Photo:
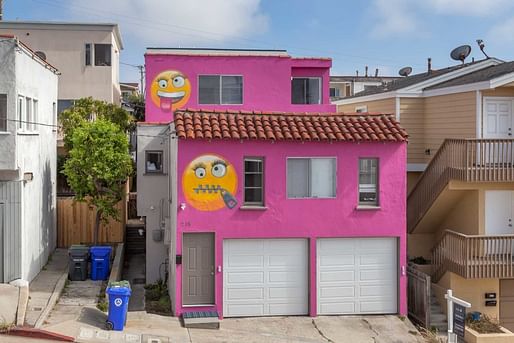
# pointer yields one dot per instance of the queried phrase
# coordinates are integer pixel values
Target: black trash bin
(78, 256)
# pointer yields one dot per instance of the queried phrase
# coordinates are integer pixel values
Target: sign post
(456, 316)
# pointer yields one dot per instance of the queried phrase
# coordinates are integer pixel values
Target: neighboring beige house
(127, 89)
(345, 86)
(460, 207)
(87, 55)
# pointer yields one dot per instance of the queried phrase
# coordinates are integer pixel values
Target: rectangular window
(20, 112)
(368, 181)
(254, 181)
(3, 112)
(306, 90)
(361, 109)
(311, 177)
(54, 116)
(27, 125)
(102, 54)
(334, 92)
(220, 90)
(153, 162)
(35, 115)
(88, 54)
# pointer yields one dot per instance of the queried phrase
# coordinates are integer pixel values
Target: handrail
(467, 159)
(474, 256)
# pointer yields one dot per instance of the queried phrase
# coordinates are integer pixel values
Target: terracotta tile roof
(214, 124)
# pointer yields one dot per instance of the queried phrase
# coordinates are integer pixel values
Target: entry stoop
(201, 320)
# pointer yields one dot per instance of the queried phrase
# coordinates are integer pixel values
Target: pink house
(256, 212)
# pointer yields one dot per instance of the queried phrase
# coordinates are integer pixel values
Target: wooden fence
(419, 286)
(76, 222)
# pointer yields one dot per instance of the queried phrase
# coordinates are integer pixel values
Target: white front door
(498, 212)
(357, 275)
(265, 277)
(497, 118)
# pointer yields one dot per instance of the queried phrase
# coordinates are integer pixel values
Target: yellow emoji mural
(209, 183)
(170, 90)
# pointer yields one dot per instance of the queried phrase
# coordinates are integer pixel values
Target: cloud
(180, 22)
(394, 17)
(479, 8)
(503, 32)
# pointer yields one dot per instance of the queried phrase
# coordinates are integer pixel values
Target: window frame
(110, 55)
(35, 115)
(88, 54)
(159, 171)
(221, 89)
(4, 119)
(377, 185)
(337, 92)
(27, 127)
(309, 186)
(320, 89)
(361, 109)
(262, 203)
(20, 111)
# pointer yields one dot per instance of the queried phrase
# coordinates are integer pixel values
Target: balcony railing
(474, 256)
(472, 160)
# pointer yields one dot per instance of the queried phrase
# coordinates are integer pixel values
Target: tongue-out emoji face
(170, 90)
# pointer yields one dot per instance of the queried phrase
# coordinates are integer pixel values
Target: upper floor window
(20, 112)
(368, 181)
(254, 181)
(311, 177)
(220, 90)
(335, 92)
(361, 109)
(102, 54)
(88, 54)
(3, 112)
(306, 90)
(153, 162)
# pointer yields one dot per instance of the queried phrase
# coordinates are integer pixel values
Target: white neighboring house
(28, 95)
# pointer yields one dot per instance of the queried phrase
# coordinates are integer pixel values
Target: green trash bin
(78, 256)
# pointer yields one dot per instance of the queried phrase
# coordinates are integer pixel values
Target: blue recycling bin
(100, 261)
(119, 295)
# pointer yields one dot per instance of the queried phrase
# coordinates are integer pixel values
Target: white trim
(416, 167)
(470, 87)
(479, 110)
(397, 108)
(493, 98)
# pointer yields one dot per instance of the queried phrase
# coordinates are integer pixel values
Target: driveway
(141, 327)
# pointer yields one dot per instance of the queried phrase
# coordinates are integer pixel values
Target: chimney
(376, 72)
(357, 73)
(429, 60)
(366, 72)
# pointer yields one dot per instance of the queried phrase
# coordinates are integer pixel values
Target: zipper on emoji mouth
(207, 189)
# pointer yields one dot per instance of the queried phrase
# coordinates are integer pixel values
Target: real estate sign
(459, 319)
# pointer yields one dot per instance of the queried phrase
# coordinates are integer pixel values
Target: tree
(98, 166)
(89, 109)
(137, 102)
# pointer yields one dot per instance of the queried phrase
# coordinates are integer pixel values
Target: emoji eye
(200, 172)
(178, 81)
(219, 170)
(163, 83)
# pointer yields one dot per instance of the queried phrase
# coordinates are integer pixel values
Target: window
(20, 112)
(368, 181)
(102, 54)
(220, 89)
(27, 125)
(54, 116)
(3, 112)
(361, 109)
(306, 90)
(311, 177)
(63, 105)
(153, 162)
(88, 54)
(334, 92)
(35, 110)
(254, 181)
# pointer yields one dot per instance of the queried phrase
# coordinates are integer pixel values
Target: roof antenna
(460, 53)
(482, 46)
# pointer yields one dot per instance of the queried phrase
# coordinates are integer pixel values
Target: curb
(23, 301)
(53, 300)
(37, 333)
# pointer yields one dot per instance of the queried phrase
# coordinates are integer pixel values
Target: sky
(383, 34)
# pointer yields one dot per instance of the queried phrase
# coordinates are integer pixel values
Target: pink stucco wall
(266, 81)
(300, 218)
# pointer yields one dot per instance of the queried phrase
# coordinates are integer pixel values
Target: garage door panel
(278, 286)
(368, 285)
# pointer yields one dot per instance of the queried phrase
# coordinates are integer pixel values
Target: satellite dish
(41, 55)
(405, 71)
(460, 53)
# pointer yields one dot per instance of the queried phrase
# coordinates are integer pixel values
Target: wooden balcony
(474, 256)
(471, 160)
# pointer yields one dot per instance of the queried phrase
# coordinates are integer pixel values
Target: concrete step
(201, 320)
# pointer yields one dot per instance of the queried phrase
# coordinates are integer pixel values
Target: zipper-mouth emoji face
(170, 90)
(209, 183)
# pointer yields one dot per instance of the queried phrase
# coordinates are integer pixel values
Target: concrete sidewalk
(44, 290)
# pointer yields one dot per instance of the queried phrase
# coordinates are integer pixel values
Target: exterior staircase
(438, 320)
(135, 237)
(469, 160)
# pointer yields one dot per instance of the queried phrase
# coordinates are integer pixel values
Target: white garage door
(264, 277)
(357, 275)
